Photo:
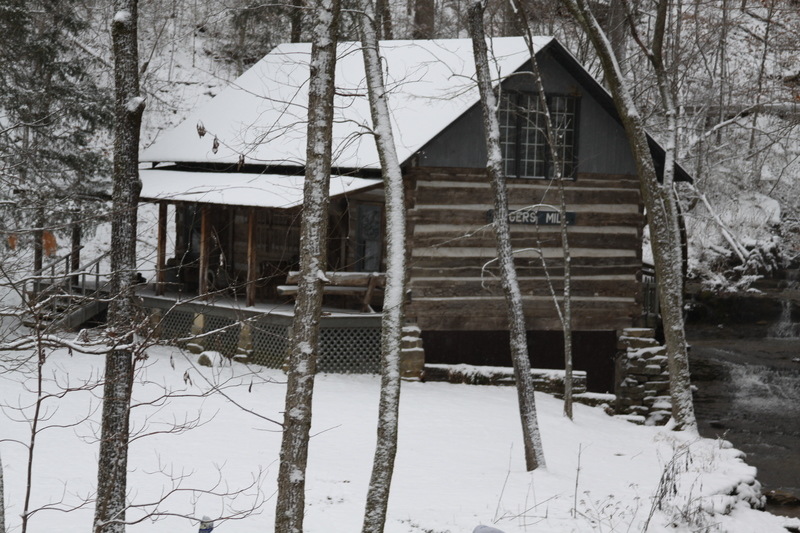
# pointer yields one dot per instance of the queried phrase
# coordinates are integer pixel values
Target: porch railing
(45, 287)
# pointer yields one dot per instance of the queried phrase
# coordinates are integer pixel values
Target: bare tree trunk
(723, 63)
(24, 175)
(394, 298)
(661, 216)
(128, 107)
(756, 164)
(296, 20)
(534, 455)
(38, 240)
(617, 29)
(566, 323)
(424, 11)
(680, 391)
(737, 247)
(383, 20)
(551, 134)
(2, 500)
(290, 506)
(34, 424)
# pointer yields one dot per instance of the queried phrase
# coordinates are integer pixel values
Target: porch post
(205, 235)
(161, 249)
(251, 257)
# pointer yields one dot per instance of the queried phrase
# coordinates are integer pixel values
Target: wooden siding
(602, 146)
(455, 286)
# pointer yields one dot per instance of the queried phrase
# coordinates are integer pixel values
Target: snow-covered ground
(460, 458)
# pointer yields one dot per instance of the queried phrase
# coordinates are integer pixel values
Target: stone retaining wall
(544, 380)
(412, 354)
(643, 378)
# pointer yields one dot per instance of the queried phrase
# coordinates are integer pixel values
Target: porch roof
(251, 190)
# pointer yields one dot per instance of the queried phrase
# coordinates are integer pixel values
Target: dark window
(526, 153)
(368, 238)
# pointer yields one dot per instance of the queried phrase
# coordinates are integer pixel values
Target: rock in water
(783, 497)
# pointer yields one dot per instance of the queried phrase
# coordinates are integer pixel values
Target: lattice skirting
(174, 326)
(350, 350)
(222, 334)
(270, 343)
(346, 345)
(342, 350)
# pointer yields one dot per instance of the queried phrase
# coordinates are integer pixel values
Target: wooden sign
(535, 216)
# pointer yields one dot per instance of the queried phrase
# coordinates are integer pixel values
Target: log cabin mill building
(233, 172)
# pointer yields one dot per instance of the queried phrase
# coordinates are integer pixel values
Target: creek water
(748, 392)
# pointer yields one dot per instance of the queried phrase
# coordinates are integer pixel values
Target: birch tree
(313, 243)
(534, 455)
(128, 107)
(662, 217)
(669, 237)
(551, 138)
(2, 500)
(383, 20)
(394, 295)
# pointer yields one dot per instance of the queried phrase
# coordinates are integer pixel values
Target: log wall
(455, 286)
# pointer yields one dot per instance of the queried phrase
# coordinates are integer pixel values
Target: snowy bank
(201, 432)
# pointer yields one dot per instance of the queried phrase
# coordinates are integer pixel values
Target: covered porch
(236, 235)
(227, 248)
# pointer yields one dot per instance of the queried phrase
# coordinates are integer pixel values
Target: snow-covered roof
(262, 115)
(252, 190)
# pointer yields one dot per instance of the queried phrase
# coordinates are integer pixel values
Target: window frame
(515, 162)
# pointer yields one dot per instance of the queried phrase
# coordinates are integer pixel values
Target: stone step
(636, 343)
(412, 363)
(412, 331)
(410, 342)
(658, 418)
(634, 419)
(639, 332)
(593, 399)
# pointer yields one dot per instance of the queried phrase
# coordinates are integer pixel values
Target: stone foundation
(544, 380)
(412, 354)
(642, 378)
